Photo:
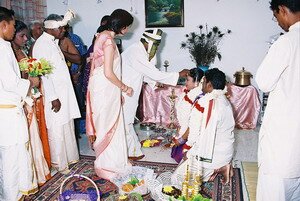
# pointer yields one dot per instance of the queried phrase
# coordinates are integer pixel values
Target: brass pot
(243, 78)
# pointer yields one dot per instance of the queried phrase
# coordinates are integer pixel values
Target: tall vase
(203, 68)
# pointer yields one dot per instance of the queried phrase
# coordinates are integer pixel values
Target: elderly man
(61, 107)
(35, 31)
(138, 64)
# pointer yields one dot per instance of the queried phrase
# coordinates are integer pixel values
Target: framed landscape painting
(164, 13)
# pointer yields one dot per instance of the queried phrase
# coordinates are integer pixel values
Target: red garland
(198, 107)
(186, 147)
(186, 98)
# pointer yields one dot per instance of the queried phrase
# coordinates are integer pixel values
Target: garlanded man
(212, 150)
(61, 106)
(138, 65)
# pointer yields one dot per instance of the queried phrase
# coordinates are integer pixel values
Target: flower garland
(197, 118)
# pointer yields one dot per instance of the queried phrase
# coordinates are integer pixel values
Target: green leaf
(133, 181)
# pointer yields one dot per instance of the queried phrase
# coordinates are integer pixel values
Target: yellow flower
(168, 189)
(147, 143)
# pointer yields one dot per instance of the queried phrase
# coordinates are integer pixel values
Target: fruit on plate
(131, 184)
(127, 187)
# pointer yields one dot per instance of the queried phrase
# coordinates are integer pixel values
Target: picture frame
(164, 13)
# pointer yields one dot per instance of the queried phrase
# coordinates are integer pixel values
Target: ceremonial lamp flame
(172, 98)
(166, 65)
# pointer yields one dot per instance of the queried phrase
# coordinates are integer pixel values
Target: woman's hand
(129, 92)
(175, 142)
(92, 139)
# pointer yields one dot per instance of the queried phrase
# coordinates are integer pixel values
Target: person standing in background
(61, 106)
(89, 55)
(73, 50)
(279, 135)
(35, 31)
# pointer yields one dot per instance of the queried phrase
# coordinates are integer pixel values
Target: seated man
(212, 152)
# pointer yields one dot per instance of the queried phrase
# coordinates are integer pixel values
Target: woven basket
(70, 195)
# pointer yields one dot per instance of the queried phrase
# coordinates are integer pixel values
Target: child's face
(9, 30)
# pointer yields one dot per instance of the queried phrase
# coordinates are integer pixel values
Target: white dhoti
(133, 144)
(63, 146)
(275, 188)
(16, 172)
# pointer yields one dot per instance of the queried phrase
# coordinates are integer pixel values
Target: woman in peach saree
(105, 124)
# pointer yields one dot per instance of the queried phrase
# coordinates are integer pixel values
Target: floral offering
(35, 67)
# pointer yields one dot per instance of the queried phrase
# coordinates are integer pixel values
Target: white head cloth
(53, 24)
(150, 38)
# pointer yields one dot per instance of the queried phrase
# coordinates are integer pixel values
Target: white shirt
(13, 89)
(135, 69)
(279, 137)
(57, 85)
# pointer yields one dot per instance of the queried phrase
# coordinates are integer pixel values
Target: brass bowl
(147, 126)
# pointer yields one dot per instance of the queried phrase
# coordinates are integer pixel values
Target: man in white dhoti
(279, 136)
(138, 64)
(16, 171)
(61, 107)
(212, 151)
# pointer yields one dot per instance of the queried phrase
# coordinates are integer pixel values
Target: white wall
(250, 21)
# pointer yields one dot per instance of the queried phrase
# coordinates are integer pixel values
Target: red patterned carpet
(50, 191)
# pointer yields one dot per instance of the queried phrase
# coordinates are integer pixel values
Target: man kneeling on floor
(212, 152)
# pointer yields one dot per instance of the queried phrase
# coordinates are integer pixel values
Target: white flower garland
(197, 117)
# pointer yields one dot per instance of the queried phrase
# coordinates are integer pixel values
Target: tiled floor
(245, 147)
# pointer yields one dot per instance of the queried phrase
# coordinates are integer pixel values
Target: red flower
(31, 60)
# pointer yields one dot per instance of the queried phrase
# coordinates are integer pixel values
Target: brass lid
(243, 72)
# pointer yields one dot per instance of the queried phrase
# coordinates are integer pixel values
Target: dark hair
(196, 74)
(54, 17)
(19, 26)
(216, 77)
(6, 14)
(293, 5)
(103, 23)
(118, 20)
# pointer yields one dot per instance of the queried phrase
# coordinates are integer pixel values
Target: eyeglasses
(274, 19)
